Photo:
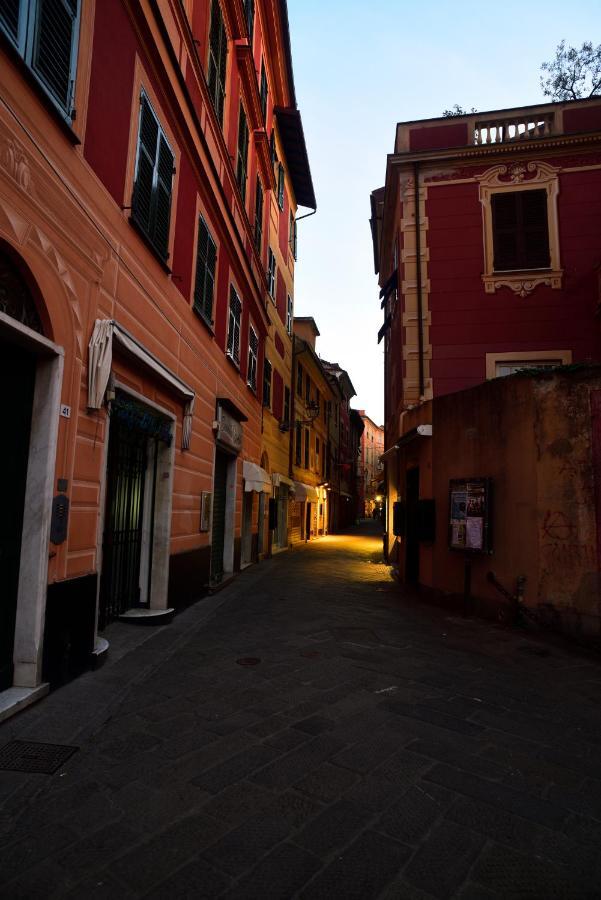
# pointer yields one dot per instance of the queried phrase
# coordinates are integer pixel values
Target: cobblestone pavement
(378, 749)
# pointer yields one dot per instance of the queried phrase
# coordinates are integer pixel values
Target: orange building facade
(134, 309)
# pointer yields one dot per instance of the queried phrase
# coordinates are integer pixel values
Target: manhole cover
(28, 756)
(248, 661)
(310, 654)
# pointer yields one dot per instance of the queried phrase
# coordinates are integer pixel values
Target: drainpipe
(418, 261)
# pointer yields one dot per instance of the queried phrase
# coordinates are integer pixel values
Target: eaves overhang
(290, 128)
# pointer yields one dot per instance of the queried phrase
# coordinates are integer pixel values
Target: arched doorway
(31, 371)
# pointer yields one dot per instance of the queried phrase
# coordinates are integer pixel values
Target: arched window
(15, 298)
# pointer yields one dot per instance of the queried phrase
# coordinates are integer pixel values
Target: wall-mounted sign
(229, 430)
(65, 411)
(469, 514)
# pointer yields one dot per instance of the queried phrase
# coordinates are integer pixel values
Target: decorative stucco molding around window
(520, 176)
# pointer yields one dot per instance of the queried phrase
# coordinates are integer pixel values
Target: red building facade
(502, 210)
(137, 168)
(488, 247)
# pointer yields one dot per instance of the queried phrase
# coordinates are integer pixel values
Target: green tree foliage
(572, 74)
(458, 111)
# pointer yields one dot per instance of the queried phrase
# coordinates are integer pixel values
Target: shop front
(257, 483)
(283, 495)
(228, 444)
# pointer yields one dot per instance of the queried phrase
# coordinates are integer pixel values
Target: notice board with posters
(470, 515)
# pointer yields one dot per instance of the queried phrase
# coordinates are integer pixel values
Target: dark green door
(17, 376)
(218, 529)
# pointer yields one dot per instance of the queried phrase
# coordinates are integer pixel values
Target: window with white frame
(242, 154)
(507, 363)
(153, 184)
(510, 368)
(253, 355)
(289, 315)
(45, 35)
(271, 274)
(233, 330)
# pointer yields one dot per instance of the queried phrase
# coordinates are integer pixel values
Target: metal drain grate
(30, 756)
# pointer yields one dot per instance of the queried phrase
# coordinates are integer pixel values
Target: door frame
(161, 533)
(39, 492)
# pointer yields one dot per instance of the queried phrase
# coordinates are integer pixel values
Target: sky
(361, 67)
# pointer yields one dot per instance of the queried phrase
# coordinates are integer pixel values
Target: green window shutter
(253, 354)
(264, 90)
(164, 183)
(53, 47)
(258, 215)
(267, 384)
(206, 259)
(281, 179)
(147, 150)
(242, 160)
(9, 19)
(217, 59)
(233, 334)
(505, 230)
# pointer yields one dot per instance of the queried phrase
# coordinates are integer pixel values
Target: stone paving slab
(380, 748)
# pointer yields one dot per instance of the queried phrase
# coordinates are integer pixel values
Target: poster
(469, 508)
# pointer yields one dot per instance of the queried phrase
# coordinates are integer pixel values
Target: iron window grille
(242, 154)
(520, 230)
(253, 353)
(258, 215)
(281, 180)
(206, 259)
(45, 35)
(151, 203)
(271, 274)
(217, 60)
(267, 384)
(233, 331)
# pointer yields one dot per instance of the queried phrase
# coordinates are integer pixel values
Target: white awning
(278, 479)
(255, 478)
(305, 492)
(101, 360)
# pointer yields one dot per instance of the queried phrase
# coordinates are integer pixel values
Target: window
(267, 384)
(271, 274)
(264, 92)
(520, 230)
(45, 36)
(317, 453)
(297, 444)
(242, 156)
(151, 203)
(233, 330)
(299, 379)
(292, 238)
(253, 352)
(500, 364)
(258, 216)
(281, 179)
(286, 405)
(307, 388)
(206, 258)
(272, 150)
(249, 15)
(217, 60)
(307, 448)
(289, 315)
(521, 227)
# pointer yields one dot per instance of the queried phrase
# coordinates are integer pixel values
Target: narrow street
(367, 747)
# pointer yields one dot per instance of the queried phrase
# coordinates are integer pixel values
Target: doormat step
(34, 757)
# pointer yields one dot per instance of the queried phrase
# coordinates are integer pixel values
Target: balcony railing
(508, 131)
